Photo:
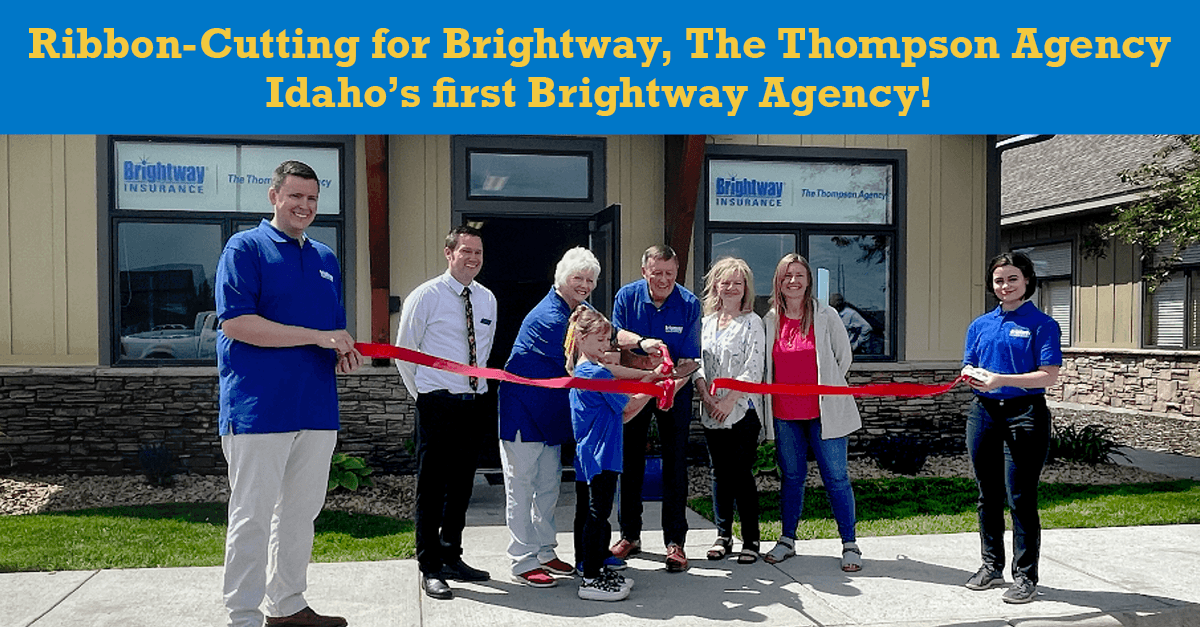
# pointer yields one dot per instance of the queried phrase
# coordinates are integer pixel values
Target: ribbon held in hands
(794, 389)
(663, 391)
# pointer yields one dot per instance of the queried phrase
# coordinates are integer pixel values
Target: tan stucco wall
(48, 274)
(946, 228)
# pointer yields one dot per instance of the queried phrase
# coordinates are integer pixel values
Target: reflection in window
(760, 251)
(165, 283)
(859, 281)
(544, 176)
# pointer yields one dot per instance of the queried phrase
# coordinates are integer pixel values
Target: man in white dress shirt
(450, 412)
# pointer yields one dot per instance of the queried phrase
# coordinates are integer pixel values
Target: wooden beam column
(379, 239)
(684, 163)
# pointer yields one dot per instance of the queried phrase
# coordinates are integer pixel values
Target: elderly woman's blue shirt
(538, 414)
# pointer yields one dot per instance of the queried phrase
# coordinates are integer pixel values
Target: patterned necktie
(466, 294)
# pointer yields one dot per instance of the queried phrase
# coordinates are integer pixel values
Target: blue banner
(605, 68)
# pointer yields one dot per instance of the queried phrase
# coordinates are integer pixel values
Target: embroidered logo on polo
(671, 328)
(1019, 332)
(325, 275)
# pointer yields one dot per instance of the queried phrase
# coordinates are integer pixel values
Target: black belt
(458, 397)
(1015, 403)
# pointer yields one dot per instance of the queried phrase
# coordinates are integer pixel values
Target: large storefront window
(174, 205)
(839, 209)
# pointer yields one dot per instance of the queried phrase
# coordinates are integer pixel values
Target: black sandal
(749, 554)
(720, 548)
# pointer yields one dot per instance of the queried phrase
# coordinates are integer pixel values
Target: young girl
(596, 419)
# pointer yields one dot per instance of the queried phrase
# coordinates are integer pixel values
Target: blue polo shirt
(539, 414)
(597, 424)
(677, 322)
(1013, 342)
(274, 390)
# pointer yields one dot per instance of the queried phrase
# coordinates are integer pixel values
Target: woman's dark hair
(1019, 261)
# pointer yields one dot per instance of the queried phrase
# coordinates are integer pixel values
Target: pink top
(795, 356)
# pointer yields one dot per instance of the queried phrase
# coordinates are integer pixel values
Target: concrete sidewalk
(1090, 577)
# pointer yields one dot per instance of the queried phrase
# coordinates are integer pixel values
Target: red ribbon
(663, 390)
(877, 389)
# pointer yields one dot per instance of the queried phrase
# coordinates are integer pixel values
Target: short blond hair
(725, 267)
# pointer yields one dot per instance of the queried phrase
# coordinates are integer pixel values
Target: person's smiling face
(579, 286)
(1009, 285)
(295, 204)
(795, 281)
(466, 259)
(660, 275)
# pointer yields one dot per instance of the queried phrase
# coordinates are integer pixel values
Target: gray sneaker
(1022, 591)
(986, 577)
(602, 589)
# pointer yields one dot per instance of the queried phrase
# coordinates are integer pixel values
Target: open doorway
(520, 256)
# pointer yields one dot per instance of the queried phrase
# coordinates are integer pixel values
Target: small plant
(159, 464)
(903, 454)
(1092, 444)
(348, 472)
(766, 463)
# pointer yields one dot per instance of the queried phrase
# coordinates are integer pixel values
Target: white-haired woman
(536, 422)
(732, 342)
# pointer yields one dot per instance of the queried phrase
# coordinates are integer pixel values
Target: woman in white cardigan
(807, 344)
(732, 342)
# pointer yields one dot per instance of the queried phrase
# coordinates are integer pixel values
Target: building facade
(105, 303)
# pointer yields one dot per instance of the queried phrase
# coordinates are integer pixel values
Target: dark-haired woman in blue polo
(1012, 355)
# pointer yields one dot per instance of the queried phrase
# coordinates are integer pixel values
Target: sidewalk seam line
(63, 598)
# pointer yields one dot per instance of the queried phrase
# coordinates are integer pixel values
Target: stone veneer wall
(94, 420)
(1141, 380)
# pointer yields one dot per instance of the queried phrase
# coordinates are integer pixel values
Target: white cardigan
(839, 413)
(736, 354)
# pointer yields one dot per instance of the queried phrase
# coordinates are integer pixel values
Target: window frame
(802, 231)
(110, 217)
(1069, 277)
(462, 203)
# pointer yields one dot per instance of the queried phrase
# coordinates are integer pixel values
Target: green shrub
(903, 454)
(159, 464)
(348, 472)
(766, 463)
(1092, 444)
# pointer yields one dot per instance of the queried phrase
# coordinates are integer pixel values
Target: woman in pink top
(807, 343)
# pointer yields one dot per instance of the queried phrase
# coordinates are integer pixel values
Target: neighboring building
(114, 242)
(1123, 346)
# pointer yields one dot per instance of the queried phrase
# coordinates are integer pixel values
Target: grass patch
(889, 507)
(176, 534)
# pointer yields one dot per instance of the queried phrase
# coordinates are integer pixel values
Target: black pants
(732, 453)
(593, 506)
(448, 436)
(673, 430)
(1008, 442)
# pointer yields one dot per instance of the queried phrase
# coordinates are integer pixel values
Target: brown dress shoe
(306, 618)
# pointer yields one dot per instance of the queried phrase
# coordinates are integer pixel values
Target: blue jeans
(793, 439)
(1008, 442)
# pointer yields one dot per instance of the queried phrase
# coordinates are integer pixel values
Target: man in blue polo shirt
(282, 340)
(649, 313)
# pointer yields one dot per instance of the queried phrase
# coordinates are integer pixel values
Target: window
(174, 205)
(507, 175)
(1172, 312)
(840, 209)
(1052, 263)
